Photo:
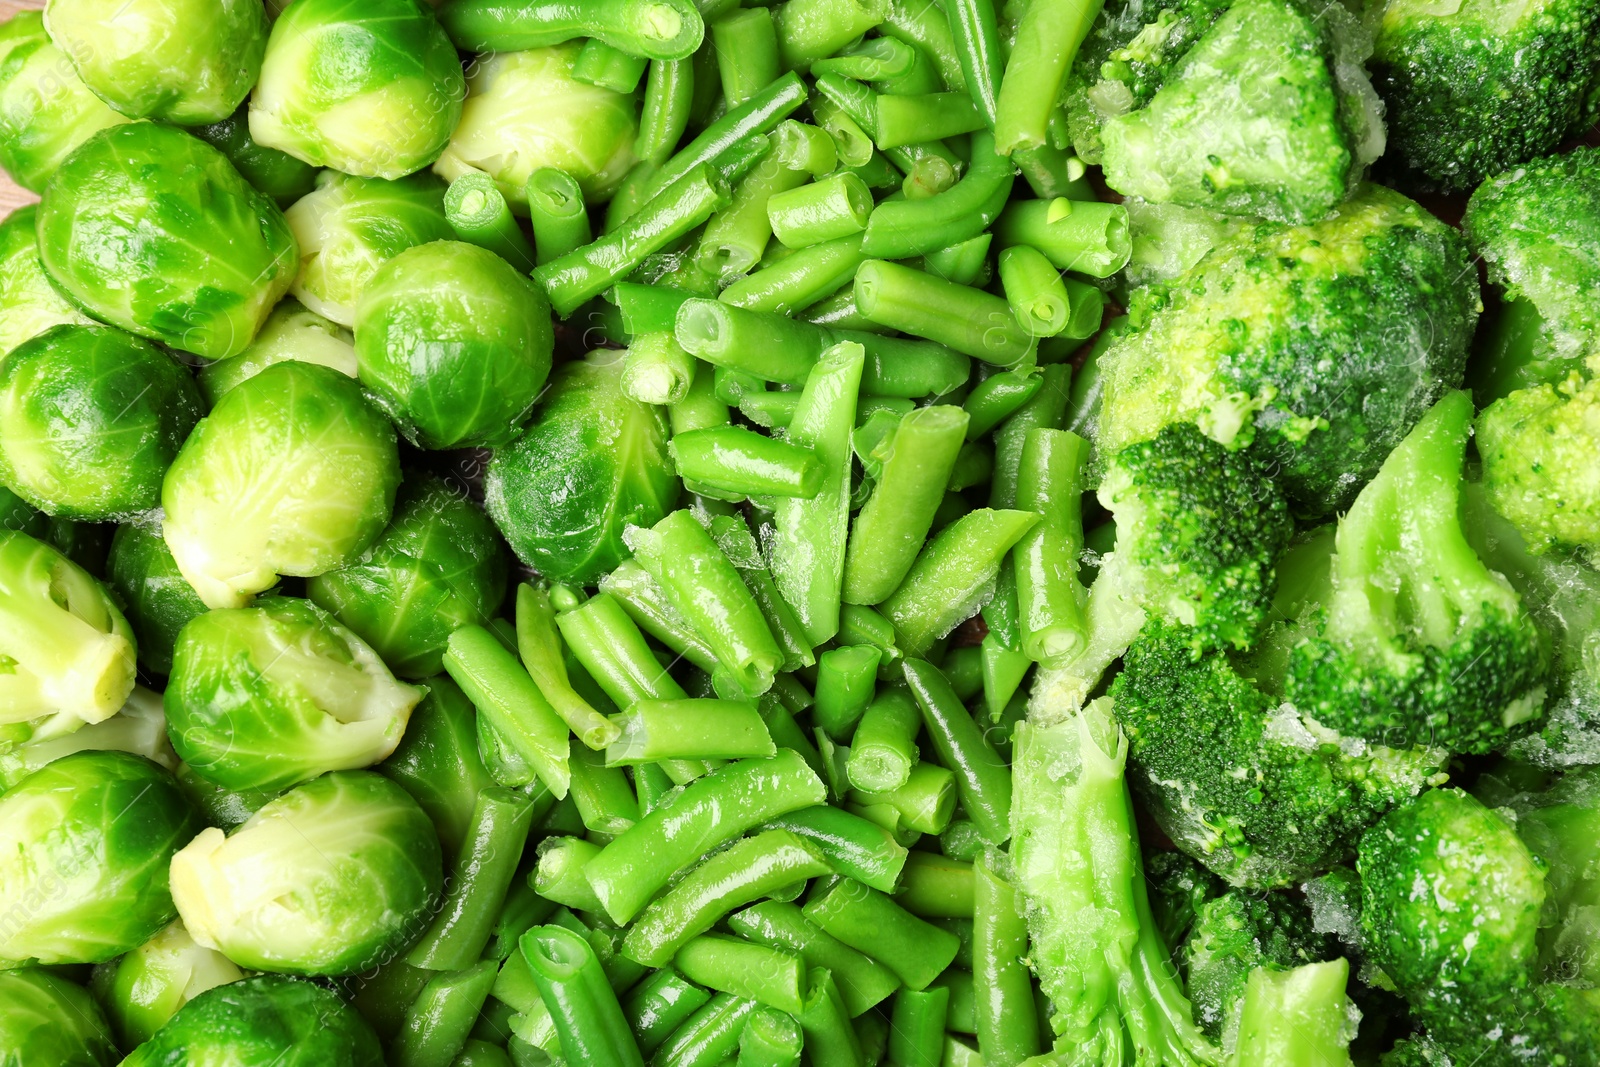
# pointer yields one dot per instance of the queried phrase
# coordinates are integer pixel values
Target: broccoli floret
(1198, 528)
(1320, 346)
(1178, 888)
(1419, 642)
(1477, 87)
(1561, 826)
(1538, 447)
(1256, 791)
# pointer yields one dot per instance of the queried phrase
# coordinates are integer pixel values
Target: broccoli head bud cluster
(1538, 447)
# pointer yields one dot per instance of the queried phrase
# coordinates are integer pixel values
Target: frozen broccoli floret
(1179, 887)
(1539, 447)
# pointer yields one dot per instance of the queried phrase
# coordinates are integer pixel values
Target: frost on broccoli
(1318, 346)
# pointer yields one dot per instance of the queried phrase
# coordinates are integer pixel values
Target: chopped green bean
(770, 1039)
(924, 802)
(937, 887)
(853, 845)
(809, 30)
(846, 681)
(982, 777)
(477, 211)
(758, 972)
(1047, 42)
(826, 1023)
(1088, 237)
(747, 53)
(588, 1020)
(657, 369)
(710, 1036)
(668, 94)
(507, 698)
(438, 1022)
(559, 875)
(968, 320)
(611, 68)
(825, 210)
(916, 1032)
(1007, 1020)
(659, 1005)
(1035, 291)
(613, 651)
(1046, 409)
(867, 920)
(654, 730)
(539, 645)
(644, 601)
(915, 119)
(884, 748)
(657, 29)
(952, 576)
(1050, 597)
(557, 213)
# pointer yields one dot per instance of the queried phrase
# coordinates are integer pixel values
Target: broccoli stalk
(1297, 1018)
(1096, 948)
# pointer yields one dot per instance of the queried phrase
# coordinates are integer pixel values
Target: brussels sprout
(438, 567)
(349, 227)
(367, 87)
(291, 333)
(331, 878)
(140, 727)
(293, 472)
(67, 650)
(47, 1021)
(525, 110)
(267, 1020)
(85, 846)
(278, 174)
(593, 463)
(153, 230)
(157, 600)
(222, 807)
(145, 988)
(17, 516)
(273, 695)
(45, 111)
(184, 61)
(455, 344)
(438, 762)
(30, 303)
(90, 420)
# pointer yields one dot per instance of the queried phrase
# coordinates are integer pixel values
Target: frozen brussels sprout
(140, 727)
(278, 174)
(45, 110)
(269, 696)
(69, 653)
(525, 110)
(90, 420)
(47, 1021)
(438, 762)
(292, 332)
(293, 472)
(30, 303)
(151, 229)
(333, 877)
(438, 567)
(593, 463)
(367, 87)
(182, 61)
(265, 1020)
(455, 344)
(85, 847)
(145, 988)
(156, 598)
(349, 227)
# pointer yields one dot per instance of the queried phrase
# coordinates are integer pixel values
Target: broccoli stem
(1296, 1018)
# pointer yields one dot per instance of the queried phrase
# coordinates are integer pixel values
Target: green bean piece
(1007, 1019)
(920, 78)
(952, 575)
(809, 30)
(1003, 671)
(937, 887)
(916, 1029)
(737, 236)
(860, 625)
(865, 919)
(438, 1022)
(764, 344)
(924, 24)
(747, 53)
(963, 263)
(507, 698)
(1090, 238)
(1035, 291)
(846, 681)
(477, 1053)
(959, 1053)
(710, 812)
(647, 605)
(808, 546)
(739, 461)
(871, 440)
(600, 64)
(884, 748)
(710, 1036)
(659, 1005)
(1047, 42)
(855, 846)
(962, 841)
(774, 410)
(751, 869)
(559, 875)
(1051, 172)
(655, 29)
(478, 213)
(1046, 409)
(557, 213)
(632, 192)
(539, 645)
(860, 103)
(700, 407)
(899, 366)
(862, 981)
(613, 651)
(924, 802)
(891, 527)
(929, 176)
(982, 777)
(605, 800)
(900, 229)
(657, 370)
(968, 320)
(798, 280)
(483, 872)
(757, 115)
(1088, 309)
(770, 1039)
(909, 120)
(994, 399)
(648, 308)
(588, 1020)
(1050, 597)
(747, 969)
(654, 730)
(874, 59)
(852, 145)
(963, 669)
(522, 910)
(822, 211)
(976, 33)
(733, 536)
(668, 94)
(829, 1037)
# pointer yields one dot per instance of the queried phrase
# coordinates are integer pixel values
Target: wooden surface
(12, 197)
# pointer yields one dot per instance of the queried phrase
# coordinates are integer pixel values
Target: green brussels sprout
(593, 463)
(291, 332)
(30, 303)
(367, 87)
(525, 111)
(220, 806)
(331, 878)
(183, 61)
(438, 762)
(145, 988)
(293, 472)
(278, 174)
(140, 727)
(349, 227)
(438, 567)
(46, 1021)
(156, 599)
(17, 516)
(455, 344)
(45, 111)
(273, 695)
(90, 420)
(85, 847)
(68, 652)
(153, 230)
(268, 1020)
